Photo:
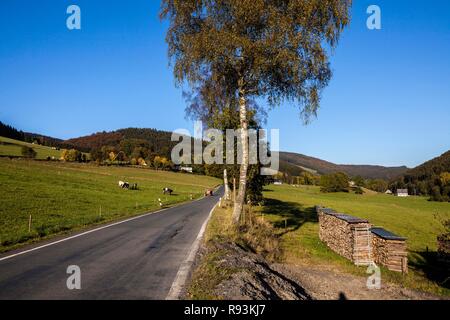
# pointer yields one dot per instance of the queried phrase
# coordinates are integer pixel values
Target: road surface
(137, 259)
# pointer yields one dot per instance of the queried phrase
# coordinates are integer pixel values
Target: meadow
(291, 210)
(13, 148)
(68, 196)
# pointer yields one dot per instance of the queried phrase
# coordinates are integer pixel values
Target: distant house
(388, 191)
(402, 193)
(186, 169)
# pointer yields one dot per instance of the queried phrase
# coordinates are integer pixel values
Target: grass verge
(254, 235)
(291, 212)
(62, 197)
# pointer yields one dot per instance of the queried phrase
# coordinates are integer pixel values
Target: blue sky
(388, 102)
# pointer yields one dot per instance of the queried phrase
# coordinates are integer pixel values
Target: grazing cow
(124, 185)
(134, 186)
(167, 191)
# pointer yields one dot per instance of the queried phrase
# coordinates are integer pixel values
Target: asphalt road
(137, 259)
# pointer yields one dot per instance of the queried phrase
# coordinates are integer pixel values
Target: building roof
(350, 219)
(328, 211)
(402, 190)
(386, 234)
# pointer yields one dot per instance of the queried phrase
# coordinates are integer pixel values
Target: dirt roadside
(242, 275)
(326, 284)
(248, 265)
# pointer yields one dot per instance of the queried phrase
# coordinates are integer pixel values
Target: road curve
(134, 260)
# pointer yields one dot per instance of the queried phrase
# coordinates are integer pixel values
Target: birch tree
(275, 50)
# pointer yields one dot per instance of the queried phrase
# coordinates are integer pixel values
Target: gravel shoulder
(327, 284)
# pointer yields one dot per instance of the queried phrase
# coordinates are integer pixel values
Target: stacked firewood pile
(356, 240)
(346, 235)
(389, 250)
(362, 246)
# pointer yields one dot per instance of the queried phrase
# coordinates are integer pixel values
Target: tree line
(429, 179)
(9, 131)
(131, 152)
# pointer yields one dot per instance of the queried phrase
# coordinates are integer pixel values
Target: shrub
(359, 190)
(335, 182)
(72, 155)
(28, 152)
(436, 194)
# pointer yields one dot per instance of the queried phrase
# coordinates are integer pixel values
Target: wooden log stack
(348, 236)
(389, 250)
(356, 240)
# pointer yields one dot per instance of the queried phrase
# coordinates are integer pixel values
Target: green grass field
(291, 210)
(11, 147)
(63, 196)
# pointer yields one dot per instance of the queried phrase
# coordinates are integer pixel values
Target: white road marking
(183, 272)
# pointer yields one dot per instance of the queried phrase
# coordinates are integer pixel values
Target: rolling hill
(13, 148)
(159, 142)
(291, 163)
(315, 165)
(435, 166)
(8, 131)
(430, 178)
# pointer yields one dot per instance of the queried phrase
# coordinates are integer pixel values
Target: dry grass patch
(254, 235)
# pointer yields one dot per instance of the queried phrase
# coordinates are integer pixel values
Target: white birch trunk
(240, 200)
(227, 187)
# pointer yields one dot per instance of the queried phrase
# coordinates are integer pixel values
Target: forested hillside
(325, 167)
(431, 178)
(8, 131)
(157, 142)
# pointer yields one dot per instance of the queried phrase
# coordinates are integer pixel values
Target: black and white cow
(167, 191)
(124, 185)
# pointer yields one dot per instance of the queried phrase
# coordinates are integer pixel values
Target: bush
(72, 155)
(359, 190)
(335, 182)
(436, 194)
(28, 152)
(379, 185)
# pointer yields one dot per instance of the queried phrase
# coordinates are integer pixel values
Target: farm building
(402, 193)
(186, 169)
